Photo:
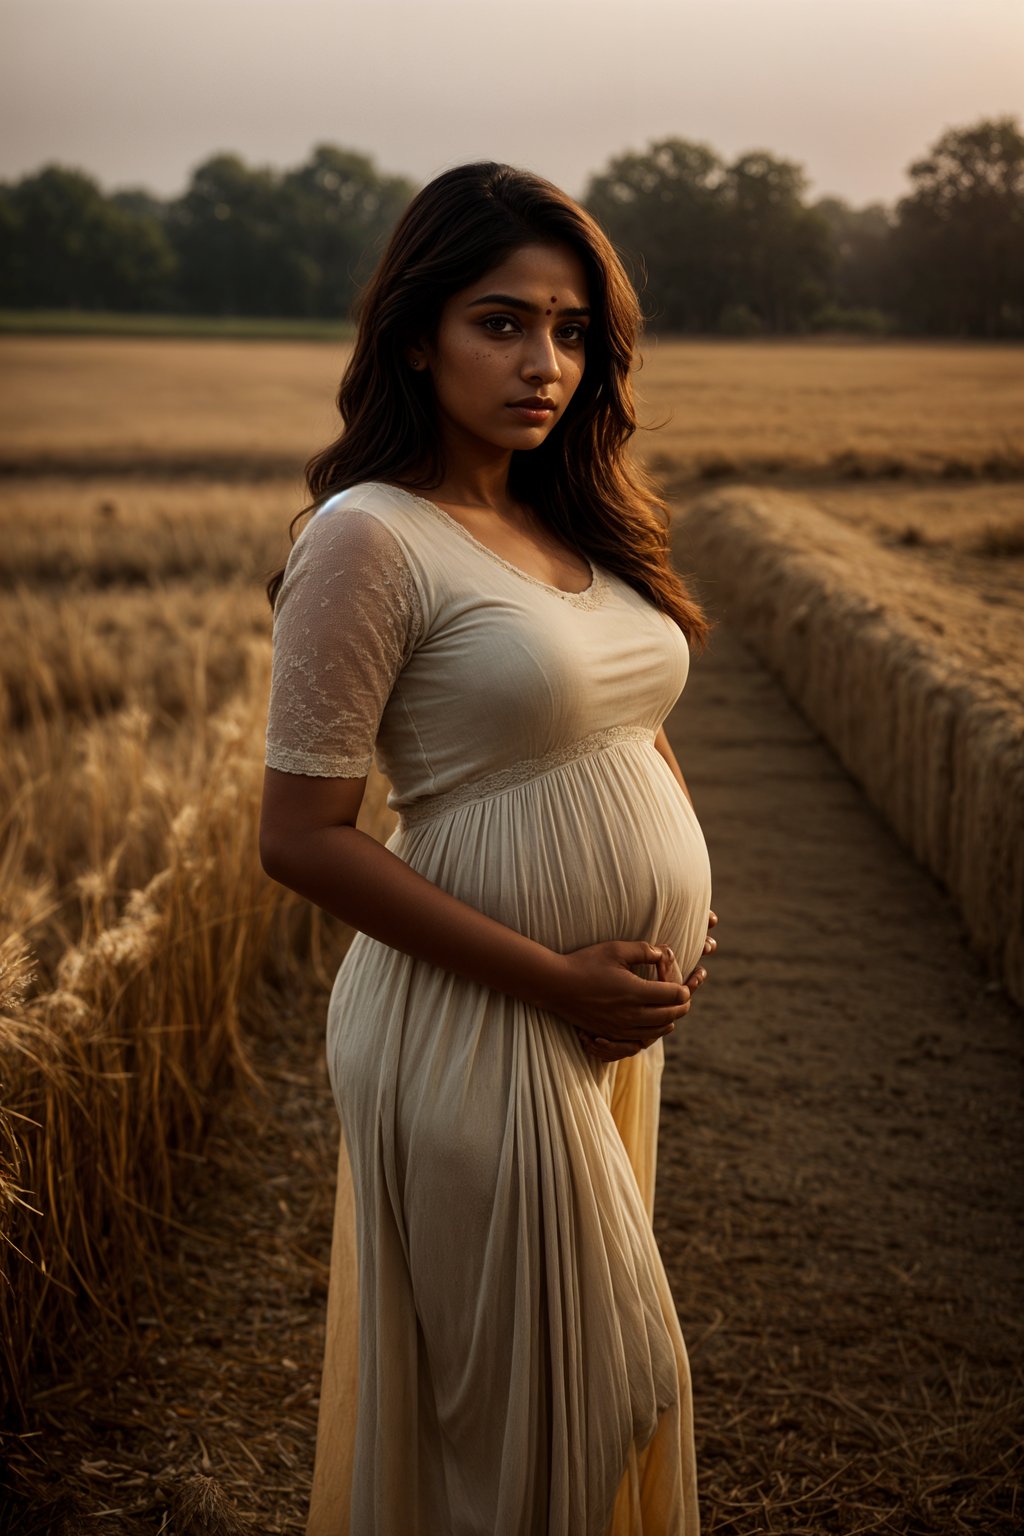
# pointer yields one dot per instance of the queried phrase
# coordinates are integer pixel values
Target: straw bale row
(891, 666)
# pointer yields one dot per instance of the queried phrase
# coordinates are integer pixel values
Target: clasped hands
(615, 1012)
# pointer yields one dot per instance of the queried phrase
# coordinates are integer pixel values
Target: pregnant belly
(604, 847)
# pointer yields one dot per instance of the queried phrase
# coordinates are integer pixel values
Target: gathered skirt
(503, 1353)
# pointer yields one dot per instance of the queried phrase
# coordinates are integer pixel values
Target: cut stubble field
(826, 408)
(146, 489)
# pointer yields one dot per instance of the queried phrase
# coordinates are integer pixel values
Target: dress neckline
(588, 598)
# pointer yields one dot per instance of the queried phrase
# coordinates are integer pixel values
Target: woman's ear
(416, 358)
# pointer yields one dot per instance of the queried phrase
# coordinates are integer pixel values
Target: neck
(475, 475)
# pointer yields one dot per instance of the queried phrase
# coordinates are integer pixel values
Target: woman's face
(509, 351)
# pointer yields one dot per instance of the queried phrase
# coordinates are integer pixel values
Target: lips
(534, 411)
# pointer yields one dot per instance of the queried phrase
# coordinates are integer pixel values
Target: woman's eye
(507, 325)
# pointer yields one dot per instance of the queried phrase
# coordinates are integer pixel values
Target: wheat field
(136, 925)
(834, 407)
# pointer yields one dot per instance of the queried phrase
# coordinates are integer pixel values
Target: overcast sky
(139, 92)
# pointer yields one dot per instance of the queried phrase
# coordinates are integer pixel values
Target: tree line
(714, 247)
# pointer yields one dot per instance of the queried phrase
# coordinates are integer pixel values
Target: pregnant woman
(483, 598)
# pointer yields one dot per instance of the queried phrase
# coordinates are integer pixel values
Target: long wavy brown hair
(581, 481)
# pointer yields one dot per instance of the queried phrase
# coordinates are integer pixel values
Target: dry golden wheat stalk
(108, 1077)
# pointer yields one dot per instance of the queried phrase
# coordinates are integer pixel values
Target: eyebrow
(513, 303)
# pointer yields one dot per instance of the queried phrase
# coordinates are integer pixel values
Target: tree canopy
(959, 241)
(736, 247)
(241, 240)
(714, 247)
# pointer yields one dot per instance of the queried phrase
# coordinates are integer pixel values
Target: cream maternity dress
(503, 1353)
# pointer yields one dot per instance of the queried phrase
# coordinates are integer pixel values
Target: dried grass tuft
(202, 1508)
(17, 971)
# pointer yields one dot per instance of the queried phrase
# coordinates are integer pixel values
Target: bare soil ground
(839, 1201)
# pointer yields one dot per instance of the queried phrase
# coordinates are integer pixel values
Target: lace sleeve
(346, 620)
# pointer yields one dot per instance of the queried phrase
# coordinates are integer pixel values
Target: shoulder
(369, 521)
(357, 526)
(350, 542)
(368, 501)
(361, 509)
(374, 519)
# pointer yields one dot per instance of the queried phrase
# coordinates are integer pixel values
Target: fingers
(654, 1023)
(610, 1052)
(616, 1050)
(657, 1022)
(664, 994)
(607, 1050)
(639, 952)
(668, 966)
(662, 956)
(674, 1001)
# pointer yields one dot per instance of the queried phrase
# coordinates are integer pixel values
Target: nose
(540, 359)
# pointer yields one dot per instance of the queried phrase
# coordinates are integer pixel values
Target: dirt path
(840, 1191)
(839, 1199)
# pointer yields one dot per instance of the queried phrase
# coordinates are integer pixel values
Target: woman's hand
(598, 992)
(606, 1048)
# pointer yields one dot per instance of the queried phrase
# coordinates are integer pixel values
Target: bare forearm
(355, 878)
